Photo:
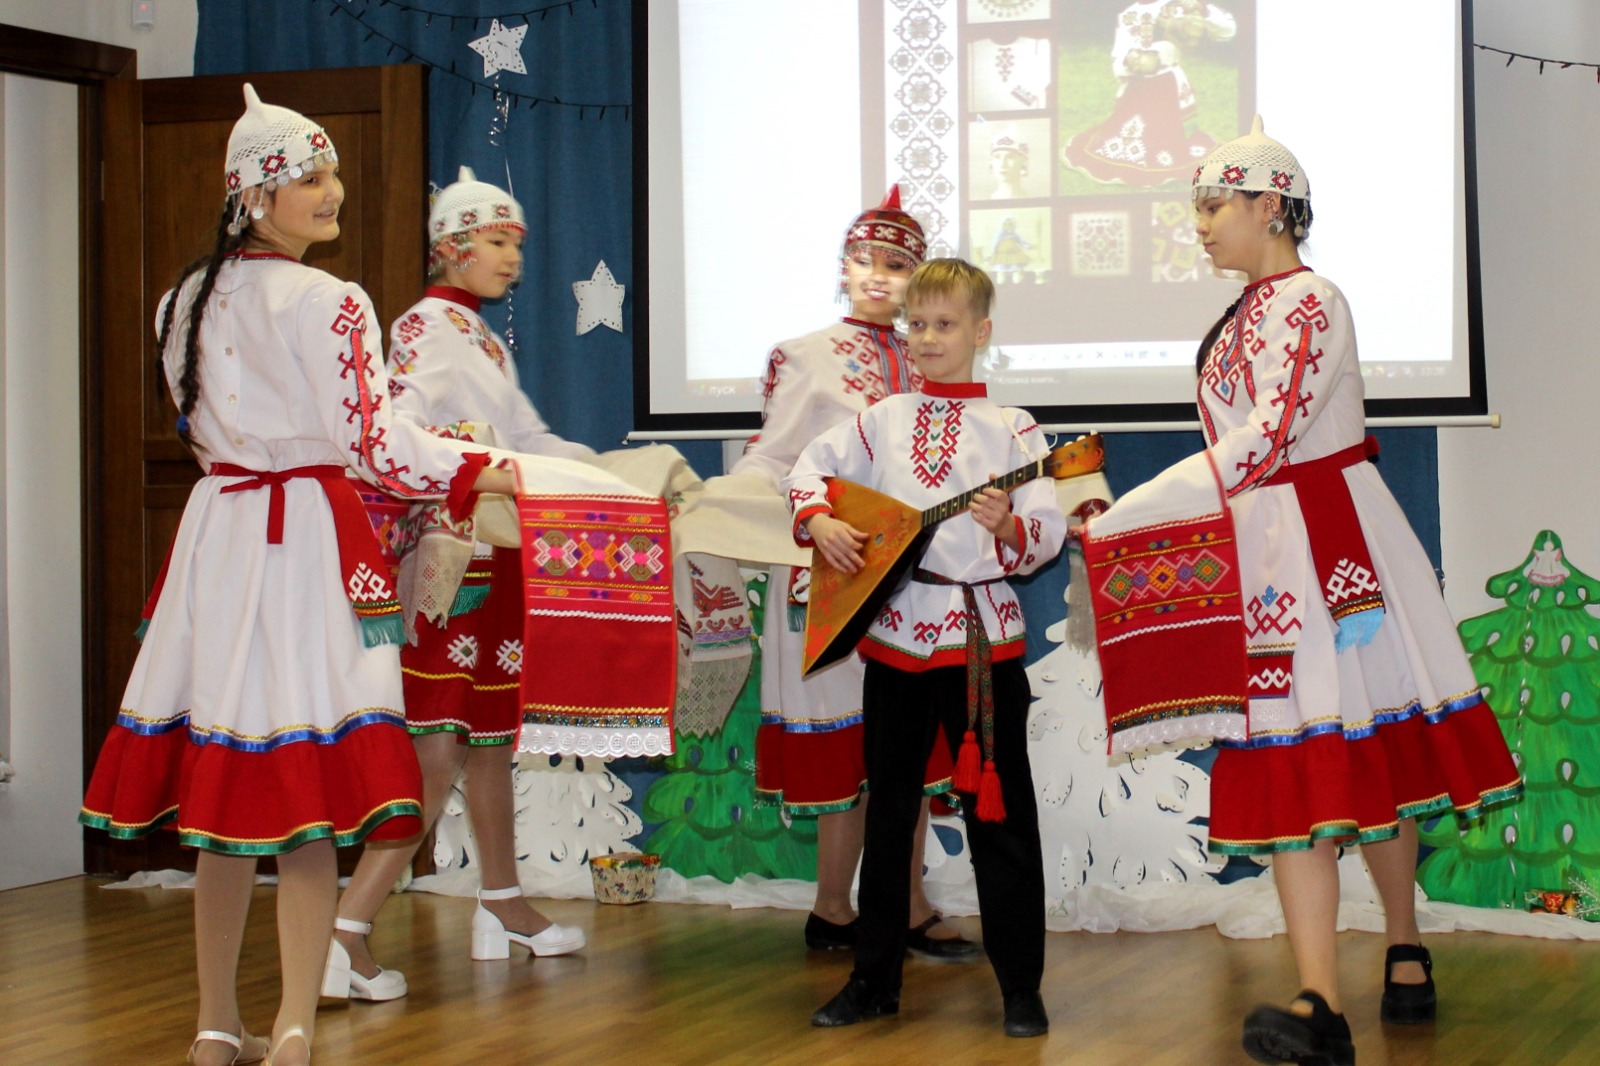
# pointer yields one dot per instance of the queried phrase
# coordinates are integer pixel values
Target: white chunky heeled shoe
(341, 981)
(492, 940)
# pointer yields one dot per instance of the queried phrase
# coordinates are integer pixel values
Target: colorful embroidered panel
(601, 639)
(1170, 631)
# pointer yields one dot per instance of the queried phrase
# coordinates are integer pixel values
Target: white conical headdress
(468, 204)
(271, 143)
(1252, 163)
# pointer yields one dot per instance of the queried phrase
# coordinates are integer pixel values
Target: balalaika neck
(1006, 482)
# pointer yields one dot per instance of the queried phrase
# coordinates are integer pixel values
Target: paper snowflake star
(501, 49)
(599, 300)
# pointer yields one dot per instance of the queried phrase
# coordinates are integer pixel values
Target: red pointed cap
(888, 226)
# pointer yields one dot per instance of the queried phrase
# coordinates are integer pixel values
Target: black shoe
(823, 935)
(1408, 1004)
(854, 1002)
(1272, 1034)
(949, 949)
(1025, 1014)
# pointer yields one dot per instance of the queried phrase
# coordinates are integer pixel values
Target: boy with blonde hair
(947, 647)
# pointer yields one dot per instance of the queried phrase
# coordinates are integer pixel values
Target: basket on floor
(624, 877)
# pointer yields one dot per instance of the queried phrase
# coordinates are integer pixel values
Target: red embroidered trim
(957, 390)
(466, 299)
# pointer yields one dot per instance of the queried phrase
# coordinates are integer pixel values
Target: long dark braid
(1213, 333)
(223, 246)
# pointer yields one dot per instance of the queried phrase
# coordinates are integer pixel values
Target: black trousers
(902, 712)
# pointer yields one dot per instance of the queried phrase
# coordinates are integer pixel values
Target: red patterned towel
(600, 638)
(1168, 624)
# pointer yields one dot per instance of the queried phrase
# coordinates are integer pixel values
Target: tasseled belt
(980, 703)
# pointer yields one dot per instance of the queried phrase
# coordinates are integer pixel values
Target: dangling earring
(1275, 226)
(257, 213)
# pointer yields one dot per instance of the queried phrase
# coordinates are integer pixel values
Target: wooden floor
(105, 977)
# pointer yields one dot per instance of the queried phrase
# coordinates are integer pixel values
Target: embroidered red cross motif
(410, 328)
(844, 346)
(852, 384)
(926, 632)
(351, 317)
(1271, 612)
(1309, 310)
(955, 621)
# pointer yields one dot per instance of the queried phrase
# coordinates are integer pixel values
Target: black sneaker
(855, 1001)
(1025, 1014)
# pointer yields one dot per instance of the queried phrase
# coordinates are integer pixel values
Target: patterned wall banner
(920, 100)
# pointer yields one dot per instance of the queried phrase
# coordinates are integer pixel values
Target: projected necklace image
(1173, 90)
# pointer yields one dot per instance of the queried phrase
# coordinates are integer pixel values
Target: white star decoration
(599, 300)
(502, 49)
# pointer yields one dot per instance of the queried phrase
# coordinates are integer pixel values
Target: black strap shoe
(1272, 1034)
(1025, 1014)
(1408, 1004)
(823, 935)
(855, 1001)
(947, 949)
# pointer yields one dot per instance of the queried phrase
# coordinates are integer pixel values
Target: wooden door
(162, 189)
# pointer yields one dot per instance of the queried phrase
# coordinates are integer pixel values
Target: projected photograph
(1052, 142)
(1009, 159)
(1148, 89)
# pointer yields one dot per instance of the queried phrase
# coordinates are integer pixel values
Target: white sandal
(340, 980)
(492, 940)
(257, 1052)
(289, 1035)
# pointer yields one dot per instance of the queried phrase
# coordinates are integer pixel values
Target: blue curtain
(574, 176)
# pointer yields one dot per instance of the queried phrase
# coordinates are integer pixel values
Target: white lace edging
(604, 743)
(1194, 732)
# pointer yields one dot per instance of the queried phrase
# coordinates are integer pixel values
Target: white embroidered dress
(1282, 386)
(809, 750)
(256, 716)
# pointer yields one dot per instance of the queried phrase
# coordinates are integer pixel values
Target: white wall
(1539, 218)
(167, 51)
(43, 564)
(41, 726)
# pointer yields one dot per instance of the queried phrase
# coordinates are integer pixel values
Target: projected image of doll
(1013, 245)
(1008, 162)
(1148, 139)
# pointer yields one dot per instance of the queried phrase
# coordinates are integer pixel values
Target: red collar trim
(458, 296)
(959, 390)
(263, 255)
(1276, 277)
(864, 324)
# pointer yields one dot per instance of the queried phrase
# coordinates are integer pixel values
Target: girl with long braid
(263, 716)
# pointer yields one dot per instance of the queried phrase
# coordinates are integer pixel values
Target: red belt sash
(1345, 573)
(365, 574)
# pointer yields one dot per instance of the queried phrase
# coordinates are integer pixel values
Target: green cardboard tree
(1538, 660)
(705, 799)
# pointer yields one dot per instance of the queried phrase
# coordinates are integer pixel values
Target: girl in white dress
(264, 716)
(461, 677)
(1362, 713)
